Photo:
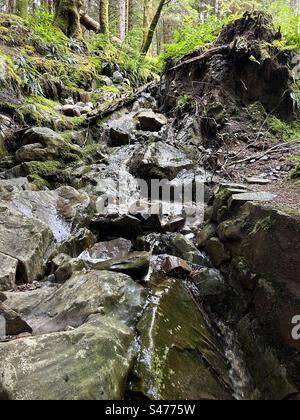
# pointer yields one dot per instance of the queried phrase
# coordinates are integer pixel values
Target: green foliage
(192, 37)
(287, 131)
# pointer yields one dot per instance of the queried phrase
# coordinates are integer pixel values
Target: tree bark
(67, 17)
(148, 4)
(89, 23)
(11, 6)
(103, 17)
(122, 20)
(149, 38)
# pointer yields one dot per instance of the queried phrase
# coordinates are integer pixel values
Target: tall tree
(148, 5)
(103, 16)
(149, 38)
(11, 6)
(122, 19)
(67, 17)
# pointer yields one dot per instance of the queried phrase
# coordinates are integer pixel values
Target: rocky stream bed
(113, 302)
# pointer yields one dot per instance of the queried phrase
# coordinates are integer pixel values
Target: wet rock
(14, 324)
(84, 294)
(206, 233)
(150, 121)
(135, 264)
(8, 272)
(217, 252)
(240, 270)
(269, 374)
(146, 101)
(176, 267)
(62, 366)
(121, 131)
(126, 226)
(179, 358)
(211, 285)
(158, 161)
(61, 210)
(172, 244)
(31, 246)
(173, 224)
(15, 184)
(103, 251)
(78, 242)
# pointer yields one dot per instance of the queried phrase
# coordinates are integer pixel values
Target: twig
(268, 152)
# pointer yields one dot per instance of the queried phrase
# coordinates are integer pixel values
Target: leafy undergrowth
(43, 68)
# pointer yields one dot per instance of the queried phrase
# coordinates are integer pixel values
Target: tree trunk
(104, 23)
(22, 8)
(131, 14)
(11, 6)
(67, 17)
(148, 4)
(89, 23)
(122, 20)
(147, 44)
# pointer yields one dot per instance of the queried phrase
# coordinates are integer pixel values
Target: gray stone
(255, 196)
(103, 251)
(158, 161)
(150, 121)
(258, 181)
(31, 246)
(8, 272)
(118, 77)
(135, 264)
(14, 324)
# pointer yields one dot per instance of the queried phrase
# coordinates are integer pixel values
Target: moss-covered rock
(180, 359)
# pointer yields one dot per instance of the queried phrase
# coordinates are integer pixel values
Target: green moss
(43, 169)
(280, 129)
(38, 181)
(295, 173)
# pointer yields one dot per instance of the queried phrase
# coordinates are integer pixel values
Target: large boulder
(84, 294)
(42, 144)
(61, 210)
(24, 239)
(90, 363)
(262, 250)
(180, 359)
(158, 161)
(90, 351)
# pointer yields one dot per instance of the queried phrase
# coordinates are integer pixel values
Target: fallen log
(124, 101)
(205, 56)
(89, 23)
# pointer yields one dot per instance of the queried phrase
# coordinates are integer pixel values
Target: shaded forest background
(176, 26)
